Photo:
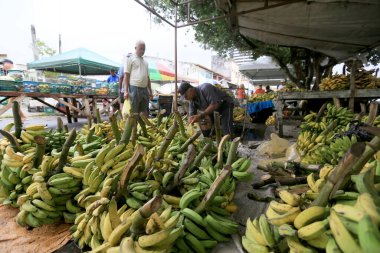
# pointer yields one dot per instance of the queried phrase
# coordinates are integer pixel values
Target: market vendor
(207, 98)
(113, 78)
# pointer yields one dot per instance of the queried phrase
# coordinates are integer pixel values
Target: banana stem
(40, 150)
(150, 124)
(142, 125)
(340, 175)
(219, 163)
(218, 130)
(180, 124)
(372, 113)
(115, 128)
(125, 138)
(232, 153)
(79, 148)
(134, 134)
(59, 124)
(17, 119)
(144, 212)
(190, 156)
(160, 116)
(168, 139)
(90, 134)
(214, 189)
(66, 128)
(201, 154)
(320, 112)
(127, 171)
(189, 141)
(279, 180)
(12, 139)
(98, 118)
(65, 149)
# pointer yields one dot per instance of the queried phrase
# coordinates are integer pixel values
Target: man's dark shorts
(139, 99)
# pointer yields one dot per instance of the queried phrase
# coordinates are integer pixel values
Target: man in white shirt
(137, 82)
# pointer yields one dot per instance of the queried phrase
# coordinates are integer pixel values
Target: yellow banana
(289, 198)
(309, 215)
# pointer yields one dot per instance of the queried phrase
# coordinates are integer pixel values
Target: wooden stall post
(68, 111)
(75, 112)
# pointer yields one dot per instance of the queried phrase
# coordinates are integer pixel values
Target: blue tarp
(259, 106)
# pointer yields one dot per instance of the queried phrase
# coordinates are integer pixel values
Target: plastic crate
(30, 86)
(44, 87)
(64, 88)
(11, 86)
(88, 90)
(77, 89)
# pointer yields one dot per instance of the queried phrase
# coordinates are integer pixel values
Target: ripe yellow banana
(289, 198)
(310, 215)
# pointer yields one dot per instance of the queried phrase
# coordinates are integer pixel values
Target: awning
(78, 61)
(337, 28)
(159, 72)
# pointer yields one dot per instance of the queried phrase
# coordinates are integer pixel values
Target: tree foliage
(44, 49)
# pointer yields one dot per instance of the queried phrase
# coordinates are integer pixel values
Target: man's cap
(183, 87)
(6, 61)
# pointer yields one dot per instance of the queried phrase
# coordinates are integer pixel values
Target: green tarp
(78, 61)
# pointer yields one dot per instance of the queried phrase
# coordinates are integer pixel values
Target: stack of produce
(348, 222)
(262, 97)
(363, 80)
(271, 121)
(239, 114)
(325, 136)
(107, 191)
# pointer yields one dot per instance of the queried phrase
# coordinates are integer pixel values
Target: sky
(109, 28)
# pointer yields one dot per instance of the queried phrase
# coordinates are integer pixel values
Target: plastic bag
(126, 108)
(276, 147)
(292, 153)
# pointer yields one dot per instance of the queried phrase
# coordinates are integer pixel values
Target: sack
(292, 153)
(126, 108)
(276, 147)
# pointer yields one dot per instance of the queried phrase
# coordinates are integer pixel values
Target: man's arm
(209, 110)
(121, 79)
(126, 80)
(149, 88)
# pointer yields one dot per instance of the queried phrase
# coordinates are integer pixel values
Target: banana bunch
(271, 121)
(238, 114)
(336, 82)
(55, 140)
(330, 154)
(262, 97)
(14, 176)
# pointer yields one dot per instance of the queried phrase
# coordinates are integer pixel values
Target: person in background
(208, 98)
(268, 89)
(260, 90)
(120, 73)
(113, 78)
(136, 80)
(241, 93)
(8, 65)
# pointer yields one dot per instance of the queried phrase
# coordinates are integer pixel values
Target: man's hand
(150, 96)
(194, 118)
(126, 95)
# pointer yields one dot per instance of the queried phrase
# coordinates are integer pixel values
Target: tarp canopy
(337, 28)
(78, 61)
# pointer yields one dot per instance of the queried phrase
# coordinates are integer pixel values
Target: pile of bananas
(82, 190)
(349, 223)
(363, 80)
(271, 121)
(262, 97)
(336, 82)
(239, 114)
(317, 135)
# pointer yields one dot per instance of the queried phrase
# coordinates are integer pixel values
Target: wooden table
(61, 98)
(336, 94)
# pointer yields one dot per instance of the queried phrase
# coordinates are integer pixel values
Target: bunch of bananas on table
(262, 97)
(271, 121)
(239, 114)
(363, 80)
(348, 223)
(82, 188)
(336, 82)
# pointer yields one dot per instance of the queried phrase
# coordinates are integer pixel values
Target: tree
(300, 65)
(44, 49)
